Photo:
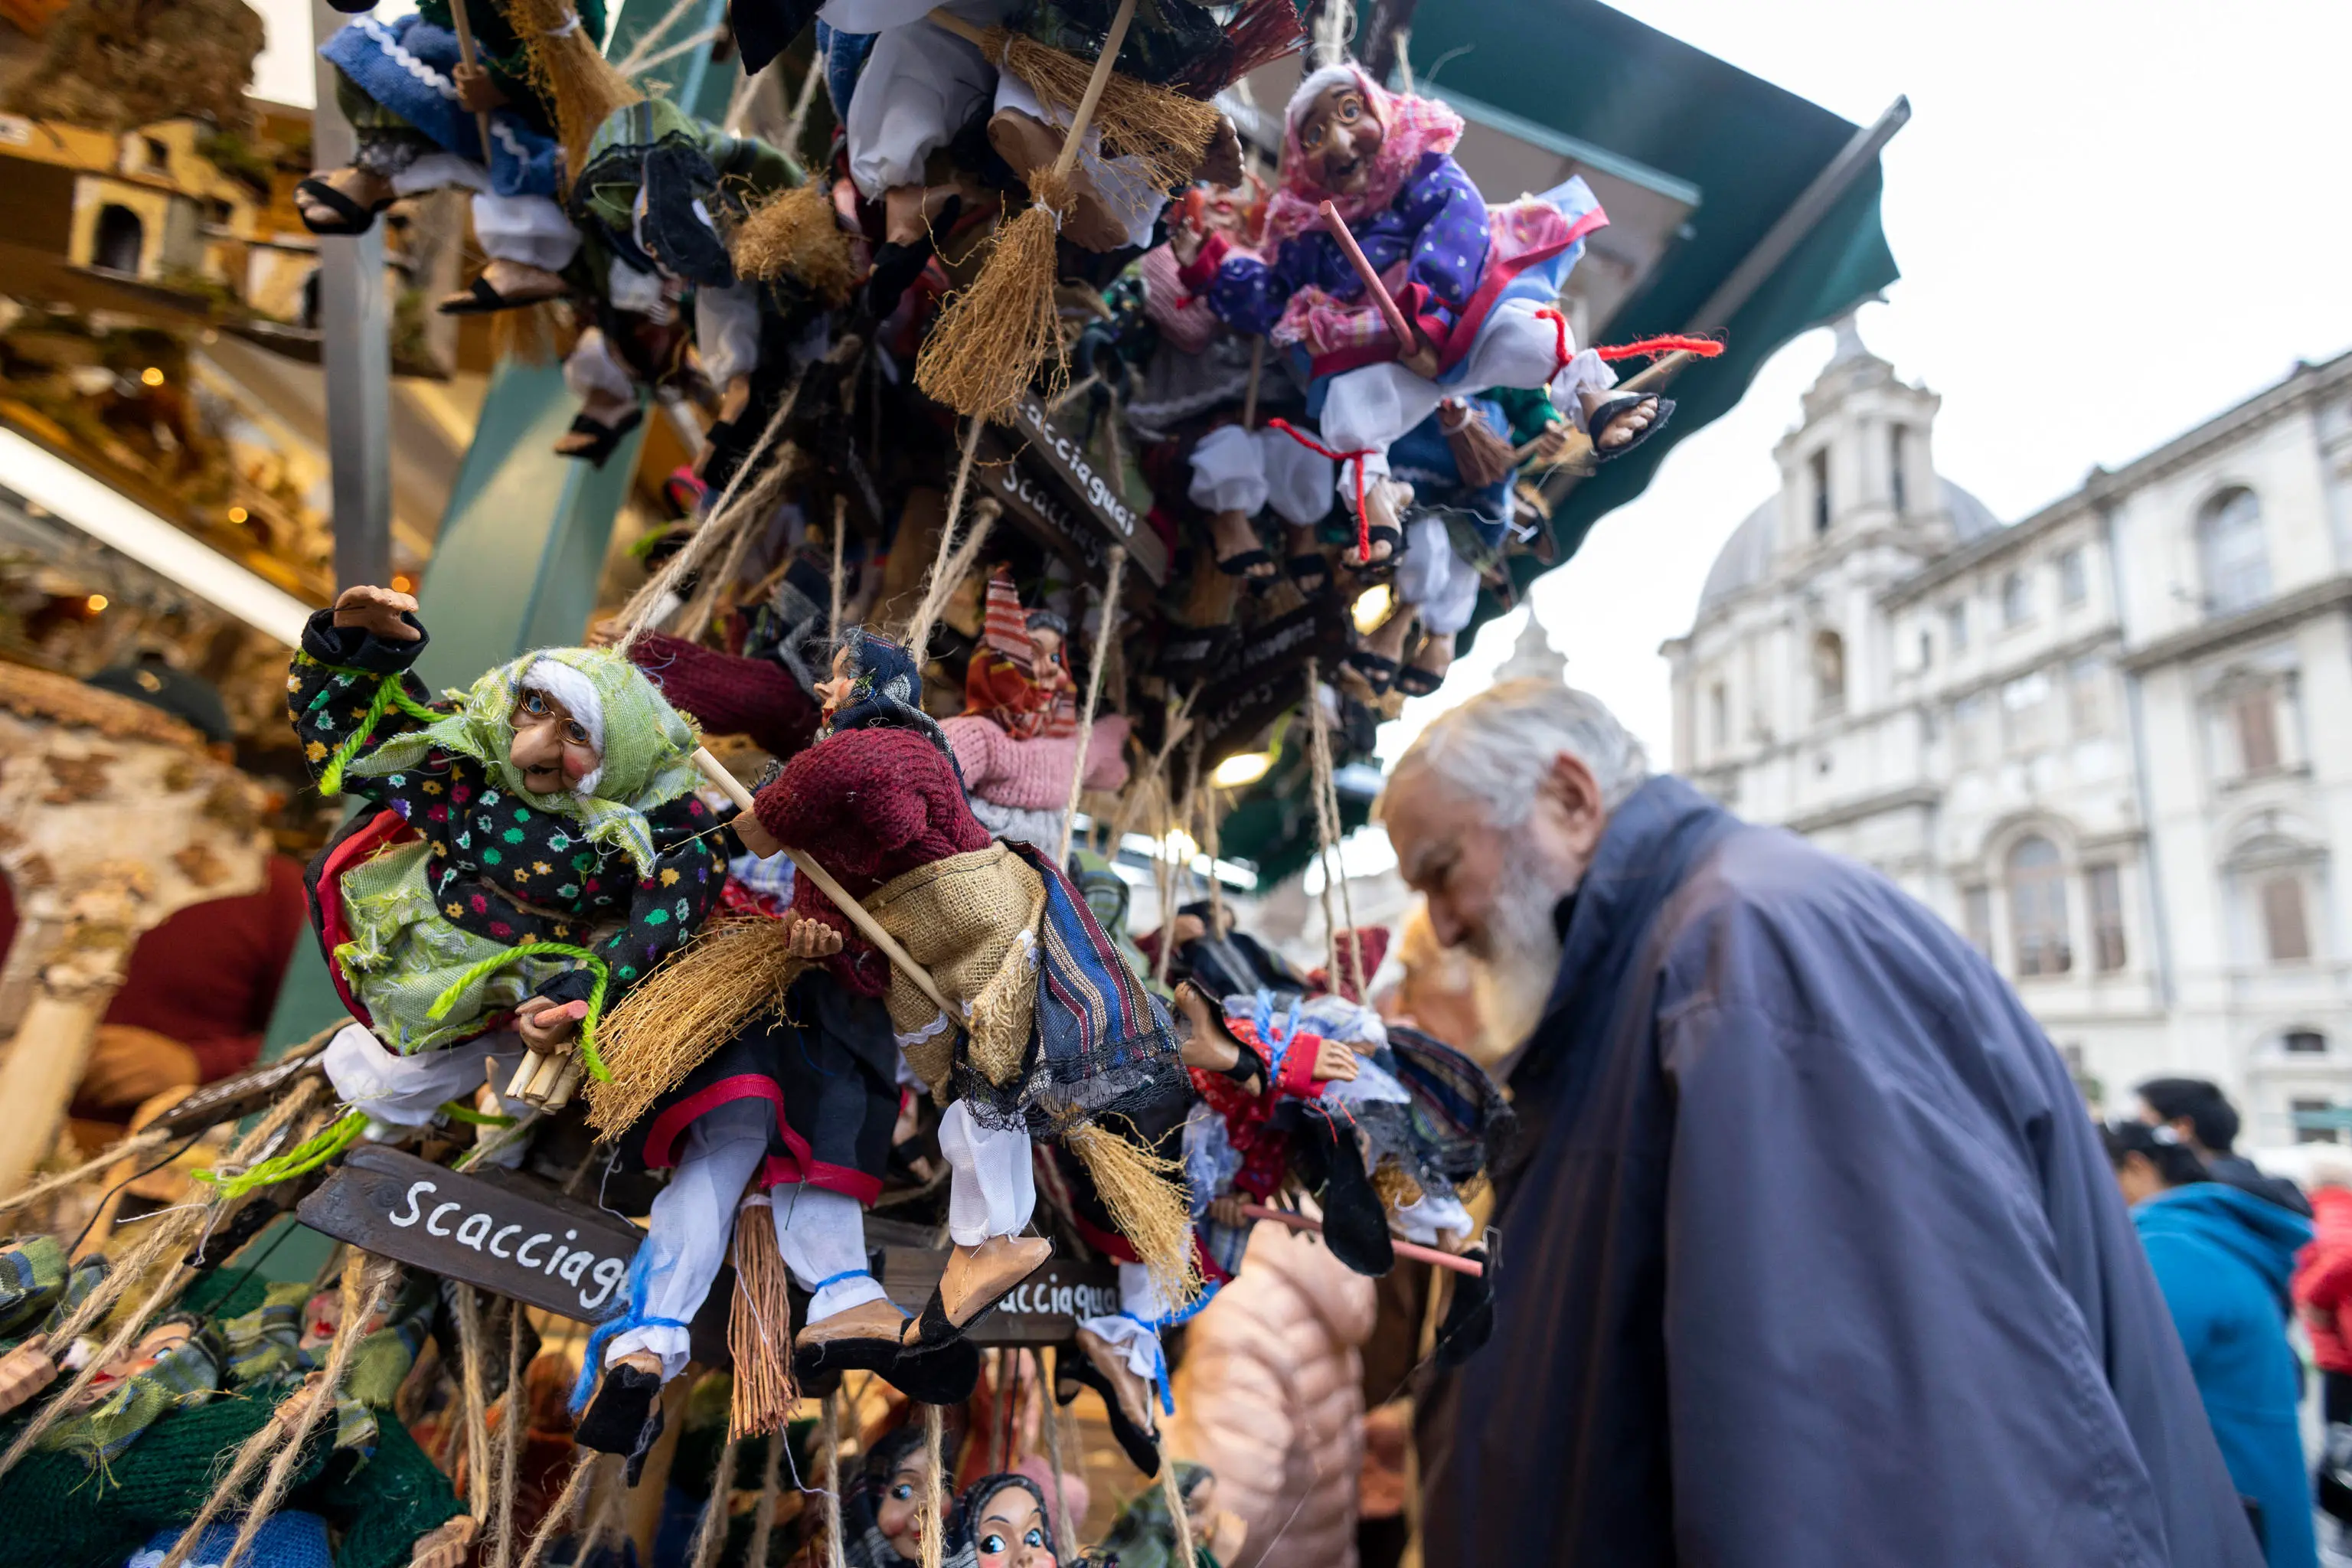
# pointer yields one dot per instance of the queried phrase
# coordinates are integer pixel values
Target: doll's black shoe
(624, 1417)
(1072, 1372)
(1355, 1223)
(1470, 1318)
(1616, 407)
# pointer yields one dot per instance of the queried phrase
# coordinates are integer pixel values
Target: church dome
(1746, 559)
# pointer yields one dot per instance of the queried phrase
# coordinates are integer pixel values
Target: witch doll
(535, 849)
(1475, 287)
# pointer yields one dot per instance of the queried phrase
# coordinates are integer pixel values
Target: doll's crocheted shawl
(648, 745)
(1411, 127)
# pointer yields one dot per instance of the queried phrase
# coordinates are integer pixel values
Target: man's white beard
(1513, 975)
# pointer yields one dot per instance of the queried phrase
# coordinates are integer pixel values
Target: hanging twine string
(1093, 695)
(1331, 788)
(942, 581)
(474, 1404)
(172, 1231)
(123, 1153)
(710, 1533)
(934, 1526)
(772, 1493)
(794, 128)
(560, 1512)
(833, 620)
(509, 1441)
(366, 1277)
(1066, 1532)
(1211, 811)
(1322, 762)
(1178, 1519)
(828, 1437)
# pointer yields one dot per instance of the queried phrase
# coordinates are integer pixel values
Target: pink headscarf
(1410, 128)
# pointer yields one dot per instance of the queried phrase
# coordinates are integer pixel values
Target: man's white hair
(1496, 747)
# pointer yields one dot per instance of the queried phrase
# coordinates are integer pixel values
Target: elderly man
(1809, 1253)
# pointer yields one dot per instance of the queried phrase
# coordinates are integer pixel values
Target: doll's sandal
(1071, 1372)
(624, 1417)
(593, 443)
(1310, 572)
(350, 217)
(1616, 407)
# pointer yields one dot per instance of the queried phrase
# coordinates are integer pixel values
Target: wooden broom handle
(1646, 380)
(464, 28)
(1412, 1249)
(859, 916)
(1406, 337)
(1113, 41)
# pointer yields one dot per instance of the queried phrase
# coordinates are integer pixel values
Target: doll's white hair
(1318, 82)
(578, 693)
(1496, 747)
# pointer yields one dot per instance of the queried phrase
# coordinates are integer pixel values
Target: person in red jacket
(2323, 1297)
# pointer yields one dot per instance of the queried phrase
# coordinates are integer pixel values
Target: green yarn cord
(389, 693)
(299, 1160)
(457, 1111)
(580, 956)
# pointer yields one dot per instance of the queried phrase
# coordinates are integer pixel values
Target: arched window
(2037, 906)
(120, 239)
(2234, 553)
(1829, 672)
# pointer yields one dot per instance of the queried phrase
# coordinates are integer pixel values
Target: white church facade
(2112, 742)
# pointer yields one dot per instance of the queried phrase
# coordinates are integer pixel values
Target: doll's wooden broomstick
(1412, 1249)
(1575, 447)
(464, 28)
(1407, 338)
(549, 1081)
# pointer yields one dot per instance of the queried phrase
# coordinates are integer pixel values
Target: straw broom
(994, 336)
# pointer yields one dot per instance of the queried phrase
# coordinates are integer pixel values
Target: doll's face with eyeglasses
(552, 749)
(1337, 138)
(1012, 1533)
(901, 1516)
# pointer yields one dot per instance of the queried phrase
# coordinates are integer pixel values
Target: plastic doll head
(1006, 1520)
(835, 690)
(1237, 212)
(1047, 631)
(899, 1514)
(322, 1314)
(153, 1345)
(1339, 138)
(555, 748)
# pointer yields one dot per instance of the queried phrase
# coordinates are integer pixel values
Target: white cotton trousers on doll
(1134, 1329)
(1439, 586)
(401, 1093)
(1123, 182)
(532, 231)
(821, 1233)
(920, 84)
(727, 331)
(1368, 409)
(1241, 470)
(992, 1185)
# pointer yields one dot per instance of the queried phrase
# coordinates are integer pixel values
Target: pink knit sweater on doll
(1033, 775)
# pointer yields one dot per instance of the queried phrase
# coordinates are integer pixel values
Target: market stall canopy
(1747, 213)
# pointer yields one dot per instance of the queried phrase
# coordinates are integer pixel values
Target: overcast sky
(2114, 218)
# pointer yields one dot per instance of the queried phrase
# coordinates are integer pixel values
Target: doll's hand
(605, 633)
(1335, 1059)
(755, 835)
(376, 611)
(476, 91)
(445, 1545)
(808, 937)
(1423, 359)
(1186, 243)
(547, 1026)
(1227, 1212)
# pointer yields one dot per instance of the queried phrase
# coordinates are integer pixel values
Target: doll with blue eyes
(535, 847)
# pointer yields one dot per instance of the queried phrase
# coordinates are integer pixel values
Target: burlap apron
(971, 921)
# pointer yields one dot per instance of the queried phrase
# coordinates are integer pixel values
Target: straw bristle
(1145, 1196)
(990, 341)
(582, 86)
(533, 334)
(795, 232)
(759, 1329)
(1167, 130)
(687, 1007)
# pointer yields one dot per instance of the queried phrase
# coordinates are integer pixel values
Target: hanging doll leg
(401, 1093)
(1519, 347)
(692, 1220)
(727, 339)
(1441, 589)
(1229, 482)
(1365, 410)
(529, 240)
(1124, 1364)
(608, 400)
(991, 1191)
(920, 85)
(1299, 486)
(1117, 204)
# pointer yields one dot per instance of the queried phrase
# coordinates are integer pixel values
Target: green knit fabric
(32, 1279)
(99, 1437)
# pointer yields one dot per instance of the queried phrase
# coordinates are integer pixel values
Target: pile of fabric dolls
(898, 977)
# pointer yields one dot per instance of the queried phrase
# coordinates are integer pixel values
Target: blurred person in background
(2202, 1118)
(197, 994)
(2223, 1258)
(1810, 1253)
(2322, 1296)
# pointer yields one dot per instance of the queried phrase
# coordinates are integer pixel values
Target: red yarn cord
(1705, 348)
(1363, 523)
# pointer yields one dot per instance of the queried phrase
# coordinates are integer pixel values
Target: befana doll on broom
(535, 849)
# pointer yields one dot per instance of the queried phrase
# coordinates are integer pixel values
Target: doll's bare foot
(504, 286)
(1030, 144)
(1430, 663)
(977, 1276)
(25, 1372)
(445, 1545)
(1208, 1043)
(1239, 553)
(1221, 164)
(735, 399)
(1134, 1394)
(1384, 503)
(341, 201)
(1622, 428)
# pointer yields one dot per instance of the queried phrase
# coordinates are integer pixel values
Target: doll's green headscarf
(648, 745)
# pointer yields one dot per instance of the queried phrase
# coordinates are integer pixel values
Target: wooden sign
(1266, 675)
(1093, 510)
(511, 1235)
(1043, 1309)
